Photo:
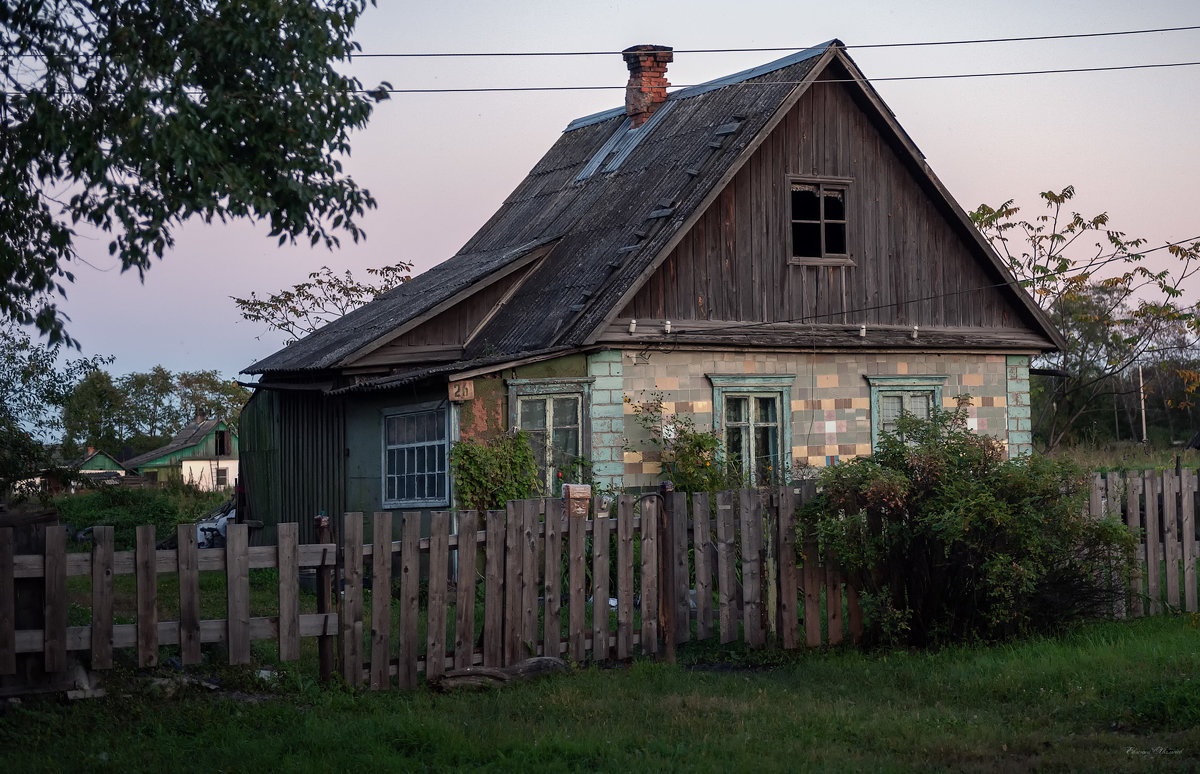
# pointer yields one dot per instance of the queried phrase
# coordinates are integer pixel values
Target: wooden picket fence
(536, 579)
(544, 577)
(1160, 506)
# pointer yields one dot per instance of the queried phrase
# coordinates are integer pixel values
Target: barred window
(416, 449)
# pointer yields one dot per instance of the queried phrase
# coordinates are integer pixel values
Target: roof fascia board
(918, 159)
(785, 106)
(529, 258)
(539, 255)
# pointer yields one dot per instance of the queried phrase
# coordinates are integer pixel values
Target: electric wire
(811, 318)
(962, 42)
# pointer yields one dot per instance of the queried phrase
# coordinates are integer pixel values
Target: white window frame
(440, 408)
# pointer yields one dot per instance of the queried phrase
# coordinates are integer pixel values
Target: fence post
(325, 642)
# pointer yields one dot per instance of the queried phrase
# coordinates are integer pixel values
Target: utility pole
(1142, 398)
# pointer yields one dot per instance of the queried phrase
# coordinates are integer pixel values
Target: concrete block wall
(830, 411)
(608, 417)
(1020, 416)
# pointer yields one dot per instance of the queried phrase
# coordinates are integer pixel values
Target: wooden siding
(293, 458)
(913, 264)
(450, 329)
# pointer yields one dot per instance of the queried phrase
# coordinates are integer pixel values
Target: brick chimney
(647, 88)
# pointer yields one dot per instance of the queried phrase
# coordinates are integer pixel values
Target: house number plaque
(462, 391)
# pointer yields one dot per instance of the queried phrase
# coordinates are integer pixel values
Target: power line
(944, 76)
(964, 42)
(933, 297)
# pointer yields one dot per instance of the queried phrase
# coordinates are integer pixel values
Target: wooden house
(769, 252)
(203, 453)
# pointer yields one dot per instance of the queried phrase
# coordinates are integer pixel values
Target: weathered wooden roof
(605, 200)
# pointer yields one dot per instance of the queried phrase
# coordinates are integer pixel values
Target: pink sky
(440, 164)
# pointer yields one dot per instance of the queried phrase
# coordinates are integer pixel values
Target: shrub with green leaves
(489, 474)
(126, 508)
(949, 541)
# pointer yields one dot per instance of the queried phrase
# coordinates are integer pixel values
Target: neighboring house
(203, 453)
(768, 251)
(99, 467)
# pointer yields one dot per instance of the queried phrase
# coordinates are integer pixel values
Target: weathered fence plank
(102, 600)
(577, 577)
(789, 583)
(1133, 518)
(833, 600)
(8, 605)
(530, 576)
(147, 596)
(1151, 487)
(624, 576)
(1170, 520)
(600, 584)
(54, 626)
(351, 618)
(410, 581)
(287, 543)
(552, 618)
(649, 576)
(680, 575)
(812, 592)
(702, 540)
(464, 607)
(752, 530)
(381, 600)
(439, 574)
(513, 567)
(1188, 499)
(494, 596)
(189, 594)
(237, 588)
(326, 644)
(726, 588)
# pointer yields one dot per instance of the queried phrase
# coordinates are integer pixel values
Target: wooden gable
(911, 259)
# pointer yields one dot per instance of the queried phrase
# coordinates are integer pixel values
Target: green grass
(1112, 697)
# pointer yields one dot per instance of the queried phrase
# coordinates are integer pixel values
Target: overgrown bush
(489, 474)
(126, 508)
(691, 457)
(950, 541)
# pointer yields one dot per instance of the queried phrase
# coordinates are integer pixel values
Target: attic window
(818, 210)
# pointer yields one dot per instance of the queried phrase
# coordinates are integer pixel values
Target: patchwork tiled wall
(830, 397)
(607, 412)
(1020, 418)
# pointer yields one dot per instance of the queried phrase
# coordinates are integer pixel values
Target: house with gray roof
(768, 254)
(203, 453)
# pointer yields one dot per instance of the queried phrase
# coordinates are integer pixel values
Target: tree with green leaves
(35, 383)
(139, 412)
(133, 116)
(1114, 306)
(325, 296)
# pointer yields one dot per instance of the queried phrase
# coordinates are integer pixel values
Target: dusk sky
(440, 164)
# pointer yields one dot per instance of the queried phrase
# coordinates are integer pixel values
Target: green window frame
(891, 395)
(752, 416)
(555, 414)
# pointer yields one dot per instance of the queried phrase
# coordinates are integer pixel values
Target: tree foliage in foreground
(132, 116)
(1115, 308)
(949, 541)
(301, 309)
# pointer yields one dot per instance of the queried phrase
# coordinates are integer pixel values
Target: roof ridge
(717, 83)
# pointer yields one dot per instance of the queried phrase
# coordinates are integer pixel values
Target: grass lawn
(1111, 697)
